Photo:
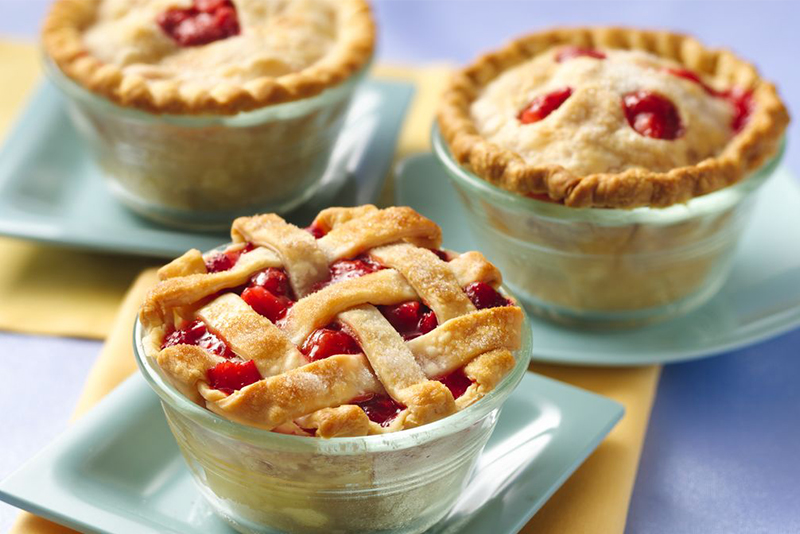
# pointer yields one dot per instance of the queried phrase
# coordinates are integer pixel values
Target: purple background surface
(721, 449)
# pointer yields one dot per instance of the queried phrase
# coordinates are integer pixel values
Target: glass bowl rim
(392, 441)
(701, 205)
(293, 108)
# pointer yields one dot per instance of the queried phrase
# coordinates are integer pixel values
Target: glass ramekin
(265, 482)
(603, 268)
(202, 171)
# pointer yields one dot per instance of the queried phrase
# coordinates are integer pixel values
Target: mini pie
(208, 56)
(359, 324)
(611, 117)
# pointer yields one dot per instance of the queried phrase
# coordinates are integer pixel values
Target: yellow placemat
(595, 499)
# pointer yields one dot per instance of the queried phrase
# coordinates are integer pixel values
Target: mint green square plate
(118, 469)
(761, 298)
(52, 191)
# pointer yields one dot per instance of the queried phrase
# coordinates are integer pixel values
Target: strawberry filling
(652, 115)
(381, 409)
(544, 105)
(196, 333)
(232, 375)
(204, 22)
(485, 296)
(411, 319)
(571, 52)
(457, 382)
(329, 341)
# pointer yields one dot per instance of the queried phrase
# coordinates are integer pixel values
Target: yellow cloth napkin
(53, 291)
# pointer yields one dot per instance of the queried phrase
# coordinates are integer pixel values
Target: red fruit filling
(223, 261)
(544, 105)
(441, 254)
(410, 319)
(315, 230)
(379, 408)
(329, 341)
(230, 376)
(571, 52)
(205, 22)
(196, 333)
(266, 303)
(652, 115)
(740, 99)
(743, 105)
(692, 76)
(347, 269)
(273, 280)
(457, 382)
(485, 296)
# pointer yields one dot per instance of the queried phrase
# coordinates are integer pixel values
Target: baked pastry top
(589, 132)
(610, 117)
(201, 56)
(359, 324)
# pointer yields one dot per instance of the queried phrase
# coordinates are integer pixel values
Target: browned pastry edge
(746, 152)
(62, 41)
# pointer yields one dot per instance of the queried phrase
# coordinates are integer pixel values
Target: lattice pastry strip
(281, 330)
(251, 335)
(184, 291)
(431, 278)
(376, 228)
(339, 379)
(304, 261)
(318, 309)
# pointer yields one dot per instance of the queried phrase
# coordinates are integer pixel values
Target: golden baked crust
(297, 394)
(743, 154)
(63, 37)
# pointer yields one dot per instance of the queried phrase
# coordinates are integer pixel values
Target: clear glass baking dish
(200, 172)
(604, 268)
(265, 482)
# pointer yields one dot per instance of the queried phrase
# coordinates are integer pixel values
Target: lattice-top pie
(611, 117)
(359, 324)
(208, 56)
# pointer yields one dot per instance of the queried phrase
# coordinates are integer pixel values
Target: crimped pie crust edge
(62, 42)
(758, 141)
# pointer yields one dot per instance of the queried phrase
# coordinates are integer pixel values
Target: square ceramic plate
(761, 298)
(51, 190)
(118, 469)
